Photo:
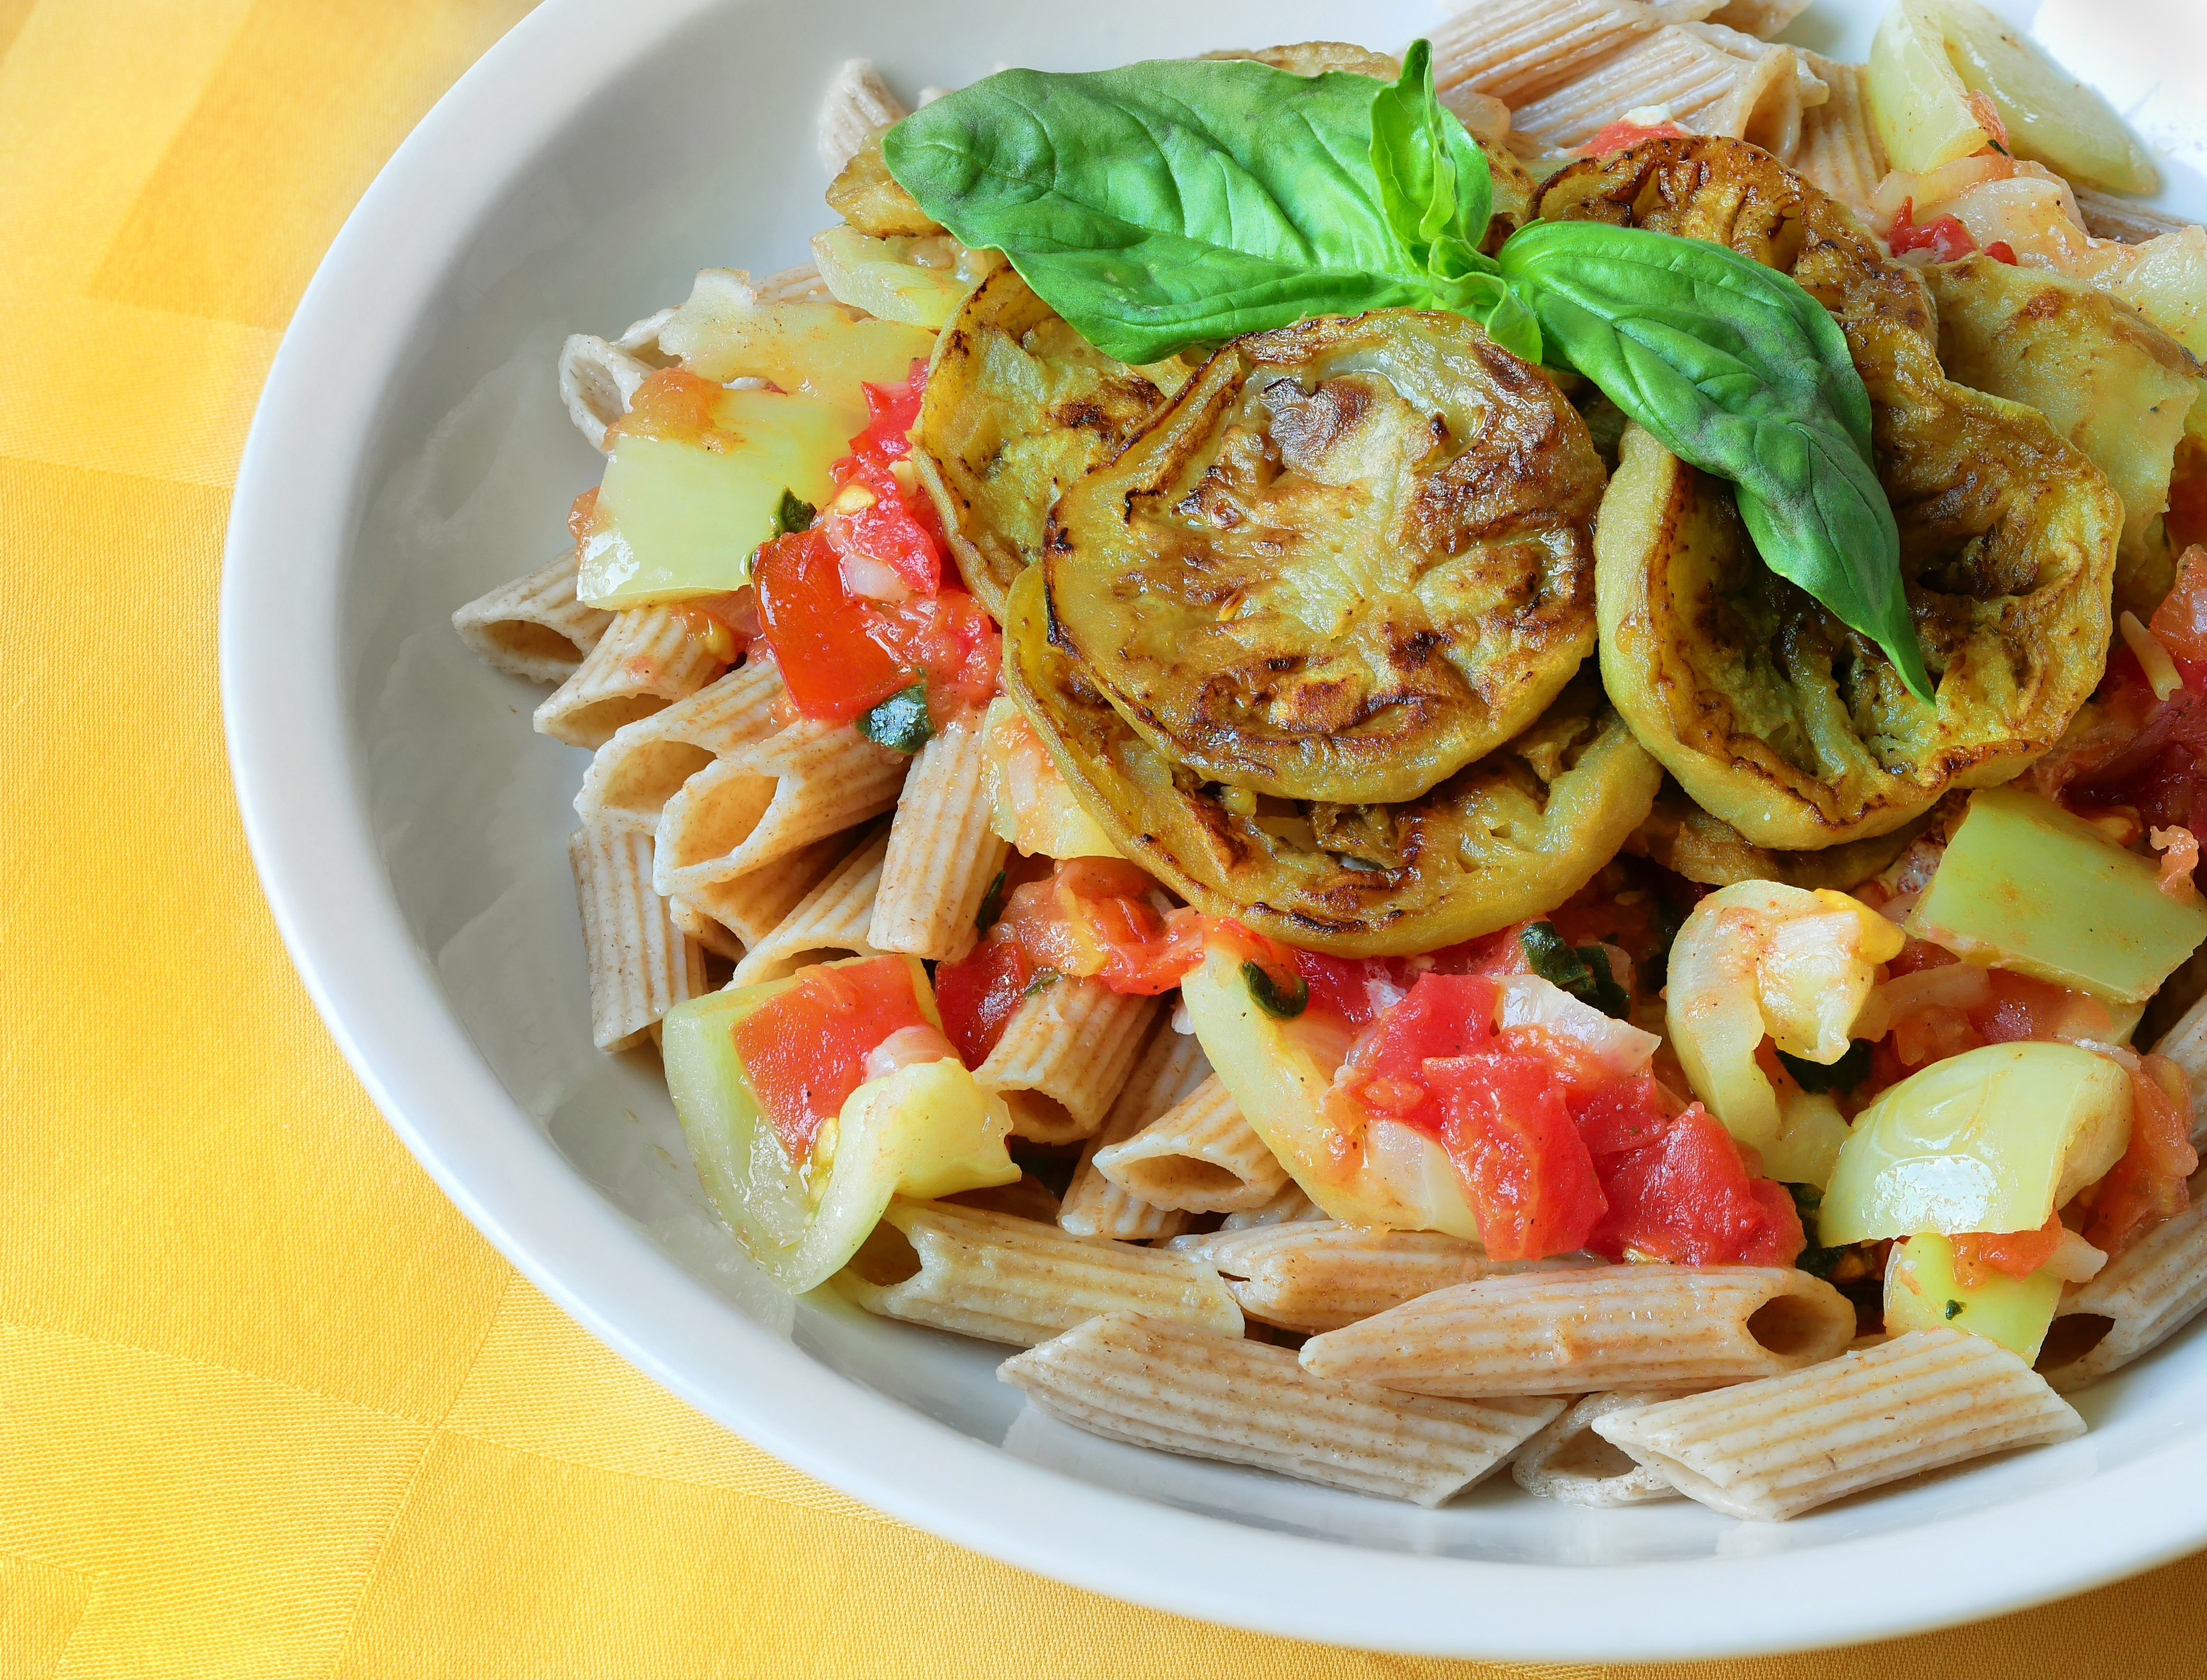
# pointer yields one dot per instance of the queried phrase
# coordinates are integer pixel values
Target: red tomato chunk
(804, 1049)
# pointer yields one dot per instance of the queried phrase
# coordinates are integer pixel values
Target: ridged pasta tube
(1567, 1461)
(1064, 1056)
(1316, 1275)
(1774, 1449)
(1187, 1391)
(1199, 1155)
(2140, 1298)
(648, 658)
(1171, 1065)
(829, 921)
(633, 775)
(943, 853)
(533, 627)
(1008, 1279)
(1605, 1327)
(641, 964)
(1839, 147)
(1515, 51)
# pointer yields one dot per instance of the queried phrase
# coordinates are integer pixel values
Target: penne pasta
(1064, 1056)
(856, 107)
(1316, 1275)
(1839, 148)
(1291, 1203)
(1569, 1462)
(1758, 17)
(633, 775)
(770, 798)
(1516, 50)
(2140, 1298)
(533, 627)
(829, 921)
(597, 382)
(641, 964)
(943, 853)
(1005, 1278)
(1774, 1449)
(1171, 1065)
(2109, 216)
(1199, 1155)
(1185, 1390)
(648, 658)
(732, 916)
(1601, 1327)
(1706, 87)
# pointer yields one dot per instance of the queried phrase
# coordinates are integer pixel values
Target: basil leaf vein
(1738, 371)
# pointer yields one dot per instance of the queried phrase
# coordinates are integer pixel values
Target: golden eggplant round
(1509, 837)
(1775, 717)
(1350, 557)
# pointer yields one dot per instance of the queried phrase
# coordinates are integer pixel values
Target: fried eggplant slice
(1507, 838)
(1688, 842)
(1352, 556)
(2109, 380)
(1774, 716)
(1018, 406)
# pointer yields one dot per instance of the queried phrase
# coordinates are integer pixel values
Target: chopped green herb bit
(900, 722)
(1954, 1309)
(1843, 1075)
(1043, 979)
(1655, 973)
(1816, 1261)
(992, 906)
(1283, 1004)
(795, 514)
(1583, 971)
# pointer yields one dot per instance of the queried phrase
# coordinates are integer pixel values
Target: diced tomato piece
(870, 518)
(804, 1049)
(1443, 1015)
(978, 993)
(677, 406)
(2017, 1253)
(2001, 251)
(1687, 1198)
(1624, 1116)
(1619, 134)
(1092, 919)
(1530, 1180)
(823, 636)
(2181, 620)
(2149, 1182)
(1944, 236)
(894, 410)
(582, 516)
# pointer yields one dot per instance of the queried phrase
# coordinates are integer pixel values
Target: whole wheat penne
(1199, 1155)
(943, 853)
(746, 908)
(1567, 1461)
(1008, 1279)
(1603, 1327)
(1315, 1274)
(1758, 17)
(1707, 89)
(1516, 50)
(533, 627)
(648, 659)
(856, 107)
(1187, 1392)
(597, 381)
(2140, 1298)
(1064, 1056)
(1171, 1065)
(633, 775)
(1291, 1203)
(1839, 148)
(2186, 1044)
(770, 798)
(2107, 216)
(641, 964)
(1774, 1448)
(799, 282)
(828, 922)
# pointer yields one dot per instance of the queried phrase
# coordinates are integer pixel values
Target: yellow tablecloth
(267, 1405)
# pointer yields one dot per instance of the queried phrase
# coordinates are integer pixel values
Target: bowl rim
(296, 512)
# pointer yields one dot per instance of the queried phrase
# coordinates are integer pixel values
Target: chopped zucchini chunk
(1921, 1292)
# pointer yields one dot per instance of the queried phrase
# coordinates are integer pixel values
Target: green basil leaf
(795, 513)
(992, 906)
(1584, 971)
(900, 723)
(1738, 371)
(1179, 202)
(1280, 1002)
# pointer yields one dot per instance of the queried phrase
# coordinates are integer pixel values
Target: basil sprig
(1180, 203)
(1737, 370)
(1183, 202)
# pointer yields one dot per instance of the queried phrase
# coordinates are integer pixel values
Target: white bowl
(410, 451)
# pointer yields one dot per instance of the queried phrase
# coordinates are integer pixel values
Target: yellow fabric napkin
(268, 1407)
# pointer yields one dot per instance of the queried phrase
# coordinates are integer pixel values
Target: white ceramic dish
(410, 451)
